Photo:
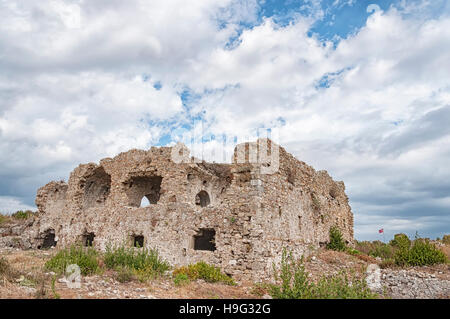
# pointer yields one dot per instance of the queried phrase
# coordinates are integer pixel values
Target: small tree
(336, 241)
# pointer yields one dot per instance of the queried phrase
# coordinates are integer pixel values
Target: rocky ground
(416, 282)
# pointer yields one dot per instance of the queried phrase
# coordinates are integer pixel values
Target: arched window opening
(143, 190)
(202, 199)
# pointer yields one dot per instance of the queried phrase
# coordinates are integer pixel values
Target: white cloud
(78, 79)
(10, 205)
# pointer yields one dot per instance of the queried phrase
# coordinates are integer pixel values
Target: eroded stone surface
(250, 213)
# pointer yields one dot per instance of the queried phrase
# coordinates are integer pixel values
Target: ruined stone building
(237, 216)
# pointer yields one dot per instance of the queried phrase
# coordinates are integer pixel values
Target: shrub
(420, 253)
(336, 240)
(293, 283)
(293, 277)
(146, 263)
(181, 279)
(84, 257)
(423, 253)
(400, 241)
(202, 270)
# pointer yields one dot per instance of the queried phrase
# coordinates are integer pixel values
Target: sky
(358, 88)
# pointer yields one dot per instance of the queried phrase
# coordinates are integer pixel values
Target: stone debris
(413, 284)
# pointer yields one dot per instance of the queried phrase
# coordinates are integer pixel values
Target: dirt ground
(44, 284)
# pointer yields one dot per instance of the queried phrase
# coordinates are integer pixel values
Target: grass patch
(202, 270)
(181, 279)
(85, 257)
(146, 264)
(293, 282)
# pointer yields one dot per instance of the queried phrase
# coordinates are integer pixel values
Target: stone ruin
(236, 216)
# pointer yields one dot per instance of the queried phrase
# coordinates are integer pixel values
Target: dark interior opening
(205, 239)
(49, 240)
(138, 241)
(88, 239)
(143, 186)
(202, 199)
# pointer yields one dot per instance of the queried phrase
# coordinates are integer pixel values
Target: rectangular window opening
(138, 241)
(205, 239)
(88, 239)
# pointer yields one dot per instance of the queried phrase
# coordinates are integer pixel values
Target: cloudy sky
(358, 88)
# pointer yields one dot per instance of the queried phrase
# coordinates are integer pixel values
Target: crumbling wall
(236, 216)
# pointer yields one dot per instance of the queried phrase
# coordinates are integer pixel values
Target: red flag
(381, 230)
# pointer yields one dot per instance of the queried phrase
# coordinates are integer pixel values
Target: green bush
(423, 253)
(145, 262)
(202, 270)
(418, 253)
(84, 257)
(294, 279)
(336, 240)
(400, 241)
(293, 283)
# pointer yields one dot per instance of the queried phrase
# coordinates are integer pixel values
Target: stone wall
(249, 211)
